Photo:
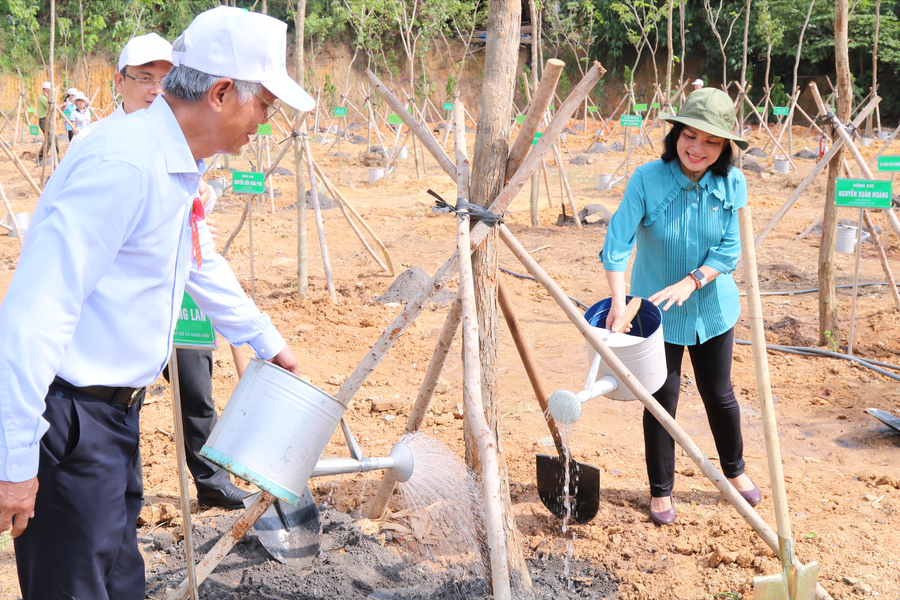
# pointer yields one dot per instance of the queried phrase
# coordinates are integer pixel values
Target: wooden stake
(12, 156)
(302, 272)
(320, 226)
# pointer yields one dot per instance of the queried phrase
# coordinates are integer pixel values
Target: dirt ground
(841, 465)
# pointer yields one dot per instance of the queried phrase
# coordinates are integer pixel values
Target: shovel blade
(777, 587)
(584, 488)
(289, 533)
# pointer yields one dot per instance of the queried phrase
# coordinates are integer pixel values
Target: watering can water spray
(641, 350)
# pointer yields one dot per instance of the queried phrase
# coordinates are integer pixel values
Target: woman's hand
(676, 293)
(616, 310)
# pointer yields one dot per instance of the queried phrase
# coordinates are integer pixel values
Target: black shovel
(584, 480)
(289, 533)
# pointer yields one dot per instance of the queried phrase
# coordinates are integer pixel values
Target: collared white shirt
(100, 279)
(83, 133)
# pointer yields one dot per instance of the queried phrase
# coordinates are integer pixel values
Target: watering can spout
(565, 406)
(399, 463)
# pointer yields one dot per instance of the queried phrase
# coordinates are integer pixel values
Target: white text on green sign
(537, 136)
(244, 182)
(34, 130)
(889, 163)
(592, 109)
(340, 111)
(448, 106)
(630, 120)
(264, 129)
(862, 193)
(193, 327)
(781, 111)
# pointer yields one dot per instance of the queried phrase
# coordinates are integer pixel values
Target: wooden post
(320, 226)
(302, 271)
(828, 318)
(12, 156)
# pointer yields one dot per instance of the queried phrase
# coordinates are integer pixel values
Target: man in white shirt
(698, 84)
(89, 315)
(143, 63)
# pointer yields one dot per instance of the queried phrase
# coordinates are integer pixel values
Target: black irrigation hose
(801, 350)
(815, 289)
(520, 276)
(804, 351)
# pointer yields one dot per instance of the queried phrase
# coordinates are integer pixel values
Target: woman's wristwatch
(699, 278)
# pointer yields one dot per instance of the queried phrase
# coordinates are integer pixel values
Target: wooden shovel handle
(240, 361)
(631, 311)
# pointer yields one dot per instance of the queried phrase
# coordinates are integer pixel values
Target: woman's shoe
(753, 497)
(664, 517)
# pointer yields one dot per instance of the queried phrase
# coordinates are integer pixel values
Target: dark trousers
(198, 412)
(42, 123)
(712, 371)
(82, 542)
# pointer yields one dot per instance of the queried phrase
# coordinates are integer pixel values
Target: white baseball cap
(143, 49)
(80, 96)
(698, 82)
(232, 42)
(45, 85)
(71, 91)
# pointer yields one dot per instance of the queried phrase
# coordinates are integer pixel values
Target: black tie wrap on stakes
(467, 209)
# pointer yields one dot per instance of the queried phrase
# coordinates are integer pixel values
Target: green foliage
(779, 96)
(451, 87)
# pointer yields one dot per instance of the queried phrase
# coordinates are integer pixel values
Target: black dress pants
(82, 542)
(198, 412)
(712, 371)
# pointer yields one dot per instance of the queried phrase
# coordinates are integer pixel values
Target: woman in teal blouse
(681, 213)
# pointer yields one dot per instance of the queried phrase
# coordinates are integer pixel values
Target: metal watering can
(641, 350)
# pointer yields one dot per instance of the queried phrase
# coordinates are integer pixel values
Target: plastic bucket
(846, 239)
(273, 430)
(22, 218)
(403, 154)
(782, 164)
(644, 354)
(218, 185)
(376, 174)
(602, 181)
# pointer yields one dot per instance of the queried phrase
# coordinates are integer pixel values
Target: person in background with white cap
(698, 84)
(144, 61)
(81, 116)
(88, 317)
(43, 107)
(68, 107)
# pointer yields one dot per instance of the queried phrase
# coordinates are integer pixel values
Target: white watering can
(22, 218)
(846, 239)
(641, 350)
(604, 182)
(275, 428)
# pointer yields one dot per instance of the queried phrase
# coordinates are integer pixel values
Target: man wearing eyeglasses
(115, 240)
(144, 61)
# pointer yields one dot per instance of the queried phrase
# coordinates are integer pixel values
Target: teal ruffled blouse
(678, 227)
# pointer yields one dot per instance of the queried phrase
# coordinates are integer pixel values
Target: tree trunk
(488, 175)
(51, 111)
(302, 269)
(87, 79)
(671, 52)
(536, 176)
(740, 161)
(829, 330)
(875, 62)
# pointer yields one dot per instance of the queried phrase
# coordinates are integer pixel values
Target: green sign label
(34, 130)
(68, 113)
(781, 111)
(552, 107)
(862, 193)
(29, 109)
(592, 109)
(640, 107)
(520, 118)
(448, 106)
(537, 136)
(630, 120)
(340, 111)
(889, 163)
(243, 182)
(193, 327)
(395, 119)
(655, 105)
(264, 129)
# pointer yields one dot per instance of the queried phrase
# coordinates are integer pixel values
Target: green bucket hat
(711, 111)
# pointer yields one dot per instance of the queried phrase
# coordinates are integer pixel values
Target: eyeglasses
(143, 81)
(271, 108)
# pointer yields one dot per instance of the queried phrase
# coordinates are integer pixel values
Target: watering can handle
(631, 311)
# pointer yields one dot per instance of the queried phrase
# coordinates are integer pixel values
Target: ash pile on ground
(408, 285)
(351, 566)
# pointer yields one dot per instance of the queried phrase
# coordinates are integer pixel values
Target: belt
(113, 395)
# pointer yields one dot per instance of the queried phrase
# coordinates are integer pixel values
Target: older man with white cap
(698, 84)
(89, 315)
(43, 109)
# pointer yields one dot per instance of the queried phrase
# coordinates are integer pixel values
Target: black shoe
(229, 497)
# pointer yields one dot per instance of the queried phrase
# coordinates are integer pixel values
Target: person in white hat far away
(81, 116)
(698, 84)
(143, 63)
(68, 107)
(115, 240)
(43, 109)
